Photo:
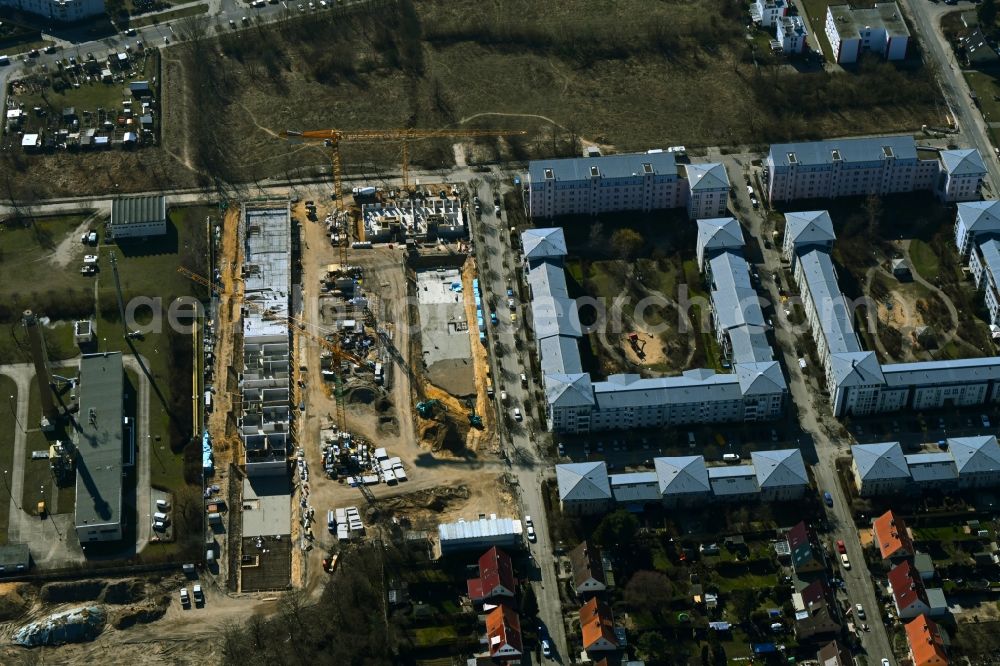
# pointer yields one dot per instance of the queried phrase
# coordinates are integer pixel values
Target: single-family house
(908, 591)
(503, 633)
(806, 553)
(588, 571)
(891, 537)
(496, 577)
(598, 627)
(925, 642)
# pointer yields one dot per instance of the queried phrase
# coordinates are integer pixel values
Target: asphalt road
(497, 264)
(819, 449)
(926, 17)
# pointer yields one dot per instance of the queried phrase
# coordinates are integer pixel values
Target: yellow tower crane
(332, 138)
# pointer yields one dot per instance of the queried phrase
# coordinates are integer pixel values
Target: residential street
(926, 18)
(818, 449)
(496, 274)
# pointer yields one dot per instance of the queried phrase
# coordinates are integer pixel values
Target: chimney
(40, 359)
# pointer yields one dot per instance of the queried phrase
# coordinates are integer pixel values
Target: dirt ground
(389, 420)
(652, 350)
(180, 636)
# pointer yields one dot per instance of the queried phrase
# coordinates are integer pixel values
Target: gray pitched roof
(975, 455)
(870, 149)
(980, 216)
(952, 371)
(620, 391)
(555, 316)
(880, 461)
(718, 233)
(568, 390)
(760, 378)
(777, 469)
(856, 369)
(812, 226)
(963, 162)
(749, 345)
(835, 317)
(583, 481)
(547, 281)
(544, 243)
(931, 467)
(609, 166)
(707, 176)
(682, 475)
(560, 354)
(138, 210)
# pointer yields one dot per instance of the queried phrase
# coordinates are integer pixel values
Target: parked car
(199, 597)
(841, 547)
(527, 521)
(503, 396)
(90, 259)
(827, 498)
(517, 413)
(546, 647)
(846, 563)
(985, 419)
(185, 599)
(531, 534)
(859, 610)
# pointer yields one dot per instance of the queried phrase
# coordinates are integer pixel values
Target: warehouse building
(875, 165)
(137, 217)
(99, 463)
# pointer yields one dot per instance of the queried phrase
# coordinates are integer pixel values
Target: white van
(517, 414)
(159, 515)
(331, 521)
(731, 457)
(162, 505)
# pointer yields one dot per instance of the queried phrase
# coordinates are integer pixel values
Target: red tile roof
(597, 623)
(496, 576)
(926, 646)
(891, 536)
(503, 632)
(907, 587)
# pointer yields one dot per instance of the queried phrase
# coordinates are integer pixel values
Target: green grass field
(180, 12)
(25, 252)
(987, 89)
(925, 261)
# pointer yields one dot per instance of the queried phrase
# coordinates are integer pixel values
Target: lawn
(987, 90)
(925, 261)
(8, 430)
(181, 12)
(25, 264)
(439, 636)
(944, 534)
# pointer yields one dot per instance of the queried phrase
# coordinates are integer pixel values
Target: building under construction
(422, 219)
(265, 232)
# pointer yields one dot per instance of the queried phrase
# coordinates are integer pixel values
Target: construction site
(351, 380)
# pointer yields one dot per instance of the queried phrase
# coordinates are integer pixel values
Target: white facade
(880, 30)
(709, 191)
(791, 33)
(64, 11)
(767, 13)
(594, 185)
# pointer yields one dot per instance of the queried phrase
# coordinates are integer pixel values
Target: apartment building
(791, 33)
(754, 391)
(879, 29)
(766, 13)
(631, 182)
(858, 384)
(876, 165)
(977, 238)
(967, 462)
(586, 488)
(708, 186)
(63, 11)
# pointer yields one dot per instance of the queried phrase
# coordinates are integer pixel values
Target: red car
(841, 548)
